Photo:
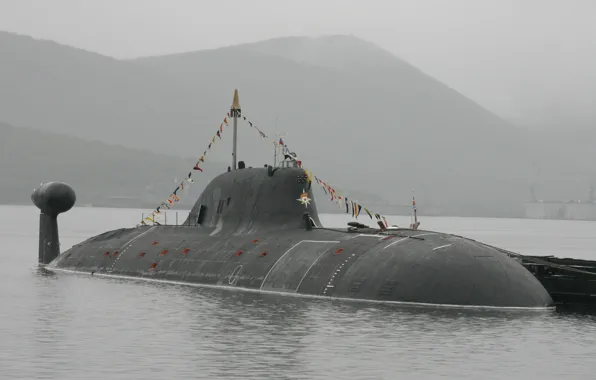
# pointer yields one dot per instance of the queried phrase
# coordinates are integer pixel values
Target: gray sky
(523, 59)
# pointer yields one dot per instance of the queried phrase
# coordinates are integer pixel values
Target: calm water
(82, 327)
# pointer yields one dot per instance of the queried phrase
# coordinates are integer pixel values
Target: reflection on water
(83, 327)
(86, 327)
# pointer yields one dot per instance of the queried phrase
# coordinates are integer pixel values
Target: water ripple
(82, 327)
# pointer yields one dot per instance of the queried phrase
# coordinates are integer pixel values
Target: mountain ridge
(383, 131)
(102, 171)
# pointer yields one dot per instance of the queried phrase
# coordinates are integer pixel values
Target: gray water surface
(81, 327)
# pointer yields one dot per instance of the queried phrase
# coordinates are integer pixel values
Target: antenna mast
(275, 146)
(235, 112)
(414, 219)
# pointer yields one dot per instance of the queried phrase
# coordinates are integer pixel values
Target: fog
(527, 60)
(472, 103)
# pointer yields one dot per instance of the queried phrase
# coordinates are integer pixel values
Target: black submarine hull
(248, 230)
(411, 266)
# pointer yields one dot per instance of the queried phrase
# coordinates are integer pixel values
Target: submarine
(258, 229)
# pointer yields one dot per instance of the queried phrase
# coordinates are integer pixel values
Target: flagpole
(275, 145)
(274, 154)
(415, 223)
(235, 112)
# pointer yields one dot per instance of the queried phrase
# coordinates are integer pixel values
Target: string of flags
(173, 198)
(252, 125)
(344, 203)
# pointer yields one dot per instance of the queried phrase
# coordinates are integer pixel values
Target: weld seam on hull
(424, 234)
(127, 245)
(395, 242)
(370, 235)
(310, 267)
(288, 251)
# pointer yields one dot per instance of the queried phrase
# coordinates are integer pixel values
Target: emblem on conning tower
(304, 199)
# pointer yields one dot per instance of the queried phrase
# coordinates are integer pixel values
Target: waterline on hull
(303, 295)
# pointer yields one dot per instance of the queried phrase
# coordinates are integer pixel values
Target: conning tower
(246, 200)
(256, 199)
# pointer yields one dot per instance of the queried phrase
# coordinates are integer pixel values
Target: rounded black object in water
(54, 198)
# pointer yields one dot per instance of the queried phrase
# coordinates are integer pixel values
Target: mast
(235, 113)
(415, 223)
(275, 145)
(275, 152)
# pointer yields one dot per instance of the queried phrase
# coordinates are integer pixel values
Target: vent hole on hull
(355, 286)
(387, 288)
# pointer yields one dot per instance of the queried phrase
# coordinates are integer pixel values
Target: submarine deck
(411, 266)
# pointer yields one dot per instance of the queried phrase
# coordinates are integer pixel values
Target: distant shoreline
(187, 207)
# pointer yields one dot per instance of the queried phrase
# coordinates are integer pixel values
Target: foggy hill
(101, 174)
(392, 127)
(359, 117)
(53, 87)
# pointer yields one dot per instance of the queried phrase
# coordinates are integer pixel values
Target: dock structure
(560, 210)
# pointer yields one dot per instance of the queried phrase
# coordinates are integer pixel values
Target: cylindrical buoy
(52, 198)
